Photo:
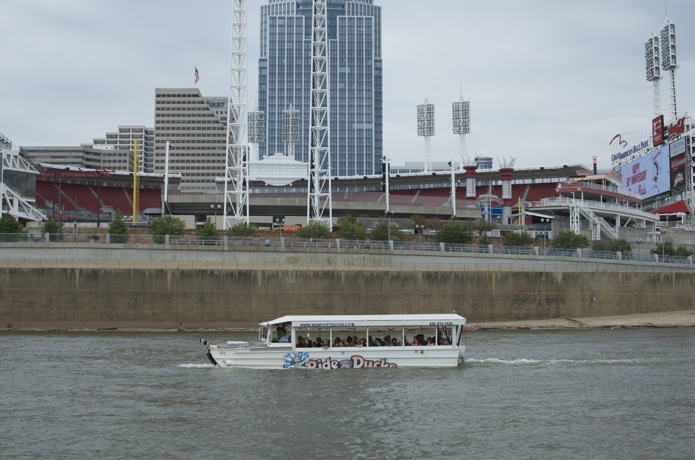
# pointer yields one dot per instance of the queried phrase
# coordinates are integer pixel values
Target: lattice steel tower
(236, 192)
(319, 203)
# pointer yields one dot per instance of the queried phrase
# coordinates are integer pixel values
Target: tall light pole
(461, 114)
(425, 128)
(668, 61)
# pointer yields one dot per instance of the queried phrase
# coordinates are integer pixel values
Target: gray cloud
(550, 82)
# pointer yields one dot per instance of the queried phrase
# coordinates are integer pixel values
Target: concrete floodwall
(157, 290)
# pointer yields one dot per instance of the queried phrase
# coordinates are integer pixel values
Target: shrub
(118, 229)
(166, 225)
(518, 239)
(9, 224)
(569, 240)
(207, 230)
(456, 233)
(242, 229)
(314, 229)
(350, 229)
(381, 232)
(620, 245)
(53, 229)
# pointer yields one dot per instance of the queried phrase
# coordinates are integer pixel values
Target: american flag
(196, 76)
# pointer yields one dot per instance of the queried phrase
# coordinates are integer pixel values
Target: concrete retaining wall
(235, 289)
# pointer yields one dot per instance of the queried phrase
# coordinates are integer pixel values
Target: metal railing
(362, 246)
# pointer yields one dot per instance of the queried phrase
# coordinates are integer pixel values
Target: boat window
(262, 333)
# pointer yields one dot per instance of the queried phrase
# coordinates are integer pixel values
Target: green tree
(242, 229)
(207, 230)
(569, 240)
(54, 229)
(620, 245)
(518, 239)
(668, 249)
(166, 225)
(314, 229)
(9, 224)
(682, 251)
(118, 229)
(350, 229)
(455, 232)
(381, 232)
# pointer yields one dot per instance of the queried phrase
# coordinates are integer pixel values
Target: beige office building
(196, 129)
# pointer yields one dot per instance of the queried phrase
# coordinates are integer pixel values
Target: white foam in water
(526, 361)
(194, 366)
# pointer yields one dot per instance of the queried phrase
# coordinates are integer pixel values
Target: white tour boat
(351, 341)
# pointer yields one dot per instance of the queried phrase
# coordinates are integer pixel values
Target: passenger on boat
(348, 341)
(283, 336)
(338, 342)
(324, 344)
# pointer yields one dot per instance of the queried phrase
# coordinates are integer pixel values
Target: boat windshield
(263, 333)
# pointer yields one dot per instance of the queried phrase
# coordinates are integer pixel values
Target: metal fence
(231, 243)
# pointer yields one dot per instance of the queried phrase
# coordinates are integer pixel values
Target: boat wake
(196, 366)
(552, 362)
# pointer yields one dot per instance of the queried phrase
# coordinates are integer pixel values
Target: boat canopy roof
(409, 320)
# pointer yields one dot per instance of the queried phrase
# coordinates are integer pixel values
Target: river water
(598, 394)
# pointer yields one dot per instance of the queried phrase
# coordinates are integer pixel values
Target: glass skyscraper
(355, 80)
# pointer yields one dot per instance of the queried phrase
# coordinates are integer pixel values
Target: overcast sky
(550, 82)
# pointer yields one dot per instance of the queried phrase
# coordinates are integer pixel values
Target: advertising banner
(648, 175)
(677, 168)
(677, 147)
(658, 131)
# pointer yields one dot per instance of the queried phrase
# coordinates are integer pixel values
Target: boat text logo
(302, 359)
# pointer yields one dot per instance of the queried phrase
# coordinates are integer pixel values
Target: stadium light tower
(256, 131)
(290, 129)
(653, 67)
(668, 61)
(461, 112)
(425, 128)
(236, 192)
(319, 201)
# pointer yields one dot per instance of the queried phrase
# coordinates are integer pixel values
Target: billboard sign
(677, 147)
(648, 175)
(658, 131)
(677, 169)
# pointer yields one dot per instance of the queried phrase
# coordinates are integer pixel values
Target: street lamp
(215, 209)
(545, 221)
(388, 217)
(662, 237)
(280, 222)
(419, 229)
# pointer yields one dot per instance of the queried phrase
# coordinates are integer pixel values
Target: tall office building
(125, 139)
(196, 128)
(355, 80)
